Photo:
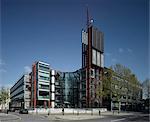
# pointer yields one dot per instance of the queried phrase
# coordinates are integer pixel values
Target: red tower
(92, 63)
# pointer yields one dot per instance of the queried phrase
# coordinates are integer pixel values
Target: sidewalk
(118, 114)
(73, 117)
(87, 116)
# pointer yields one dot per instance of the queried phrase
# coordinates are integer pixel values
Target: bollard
(92, 112)
(77, 112)
(7, 111)
(118, 111)
(99, 112)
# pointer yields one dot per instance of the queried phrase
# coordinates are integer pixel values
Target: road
(107, 118)
(124, 118)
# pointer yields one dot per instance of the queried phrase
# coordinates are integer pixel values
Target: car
(12, 110)
(23, 111)
(115, 108)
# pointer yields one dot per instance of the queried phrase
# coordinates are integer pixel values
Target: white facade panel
(53, 96)
(84, 37)
(53, 104)
(93, 56)
(102, 60)
(53, 72)
(98, 59)
(53, 79)
(53, 87)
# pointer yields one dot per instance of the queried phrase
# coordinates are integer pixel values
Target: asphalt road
(31, 118)
(108, 118)
(124, 118)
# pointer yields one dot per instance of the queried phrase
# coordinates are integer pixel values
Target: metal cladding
(97, 47)
(34, 82)
(97, 39)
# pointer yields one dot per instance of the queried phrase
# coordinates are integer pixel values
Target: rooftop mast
(88, 22)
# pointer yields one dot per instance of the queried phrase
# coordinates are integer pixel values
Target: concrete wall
(66, 111)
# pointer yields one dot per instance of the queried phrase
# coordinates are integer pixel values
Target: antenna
(89, 19)
(88, 22)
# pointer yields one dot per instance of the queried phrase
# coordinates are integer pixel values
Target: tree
(118, 82)
(107, 82)
(146, 88)
(4, 95)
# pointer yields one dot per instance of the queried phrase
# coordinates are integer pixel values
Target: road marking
(116, 120)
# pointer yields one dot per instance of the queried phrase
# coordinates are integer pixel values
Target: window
(44, 68)
(43, 93)
(94, 56)
(44, 78)
(44, 86)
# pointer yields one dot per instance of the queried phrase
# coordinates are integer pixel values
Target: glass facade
(67, 89)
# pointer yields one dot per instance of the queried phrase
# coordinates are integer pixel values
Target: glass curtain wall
(68, 92)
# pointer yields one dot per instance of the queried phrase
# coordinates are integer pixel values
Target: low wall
(67, 111)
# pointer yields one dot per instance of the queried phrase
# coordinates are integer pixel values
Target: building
(92, 66)
(40, 85)
(20, 93)
(45, 87)
(65, 87)
(51, 88)
(124, 94)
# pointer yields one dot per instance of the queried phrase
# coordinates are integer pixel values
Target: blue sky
(50, 30)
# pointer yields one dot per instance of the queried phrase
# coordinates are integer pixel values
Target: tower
(92, 65)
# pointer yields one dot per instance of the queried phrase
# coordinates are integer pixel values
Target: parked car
(23, 111)
(12, 110)
(115, 108)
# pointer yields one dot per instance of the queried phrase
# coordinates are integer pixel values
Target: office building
(40, 85)
(20, 93)
(124, 94)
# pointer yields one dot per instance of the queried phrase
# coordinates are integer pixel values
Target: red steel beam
(34, 78)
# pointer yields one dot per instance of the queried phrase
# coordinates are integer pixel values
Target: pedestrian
(113, 111)
(63, 110)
